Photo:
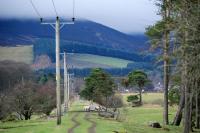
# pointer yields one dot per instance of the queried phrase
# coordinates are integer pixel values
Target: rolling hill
(26, 32)
(95, 45)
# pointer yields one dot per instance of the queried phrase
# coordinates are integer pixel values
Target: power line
(34, 7)
(73, 18)
(54, 7)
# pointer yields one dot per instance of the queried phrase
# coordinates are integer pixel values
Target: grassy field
(25, 54)
(19, 54)
(148, 98)
(132, 120)
(113, 62)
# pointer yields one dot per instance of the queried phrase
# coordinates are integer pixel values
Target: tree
(134, 100)
(5, 109)
(138, 78)
(181, 17)
(187, 34)
(12, 73)
(125, 82)
(46, 97)
(160, 34)
(24, 100)
(99, 86)
(174, 95)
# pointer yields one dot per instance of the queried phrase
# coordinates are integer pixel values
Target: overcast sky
(130, 16)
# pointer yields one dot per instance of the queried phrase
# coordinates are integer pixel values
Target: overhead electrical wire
(73, 11)
(54, 8)
(73, 15)
(34, 7)
(40, 16)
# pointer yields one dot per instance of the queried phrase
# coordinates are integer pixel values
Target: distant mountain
(16, 32)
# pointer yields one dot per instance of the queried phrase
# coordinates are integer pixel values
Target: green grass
(19, 54)
(113, 62)
(133, 120)
(25, 54)
(148, 98)
(140, 117)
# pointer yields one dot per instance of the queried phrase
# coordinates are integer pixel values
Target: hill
(84, 37)
(26, 32)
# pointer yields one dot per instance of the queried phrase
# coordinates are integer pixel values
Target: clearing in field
(25, 54)
(19, 54)
(96, 59)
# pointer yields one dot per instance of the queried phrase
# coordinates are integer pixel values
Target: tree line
(84, 72)
(22, 93)
(46, 46)
(178, 36)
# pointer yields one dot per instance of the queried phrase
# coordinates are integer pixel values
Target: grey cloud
(123, 15)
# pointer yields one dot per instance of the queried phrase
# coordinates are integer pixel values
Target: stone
(155, 125)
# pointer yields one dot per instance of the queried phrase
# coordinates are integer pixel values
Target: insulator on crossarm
(41, 20)
(73, 19)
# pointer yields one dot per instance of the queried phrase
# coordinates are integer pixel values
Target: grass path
(92, 128)
(80, 125)
(76, 123)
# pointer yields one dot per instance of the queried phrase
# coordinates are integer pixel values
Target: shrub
(10, 118)
(115, 101)
(23, 99)
(5, 109)
(174, 95)
(132, 98)
(46, 98)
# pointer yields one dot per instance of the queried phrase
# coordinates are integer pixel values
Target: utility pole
(58, 26)
(58, 98)
(65, 85)
(71, 79)
(68, 90)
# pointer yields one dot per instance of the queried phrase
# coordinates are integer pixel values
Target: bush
(5, 109)
(46, 98)
(23, 99)
(115, 101)
(132, 98)
(174, 95)
(10, 118)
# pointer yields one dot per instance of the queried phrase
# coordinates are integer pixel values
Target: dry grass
(19, 54)
(148, 98)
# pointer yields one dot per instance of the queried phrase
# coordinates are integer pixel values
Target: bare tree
(24, 99)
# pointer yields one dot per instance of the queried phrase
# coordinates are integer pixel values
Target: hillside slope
(26, 32)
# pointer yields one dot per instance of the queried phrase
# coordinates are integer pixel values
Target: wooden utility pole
(68, 89)
(65, 85)
(58, 97)
(57, 26)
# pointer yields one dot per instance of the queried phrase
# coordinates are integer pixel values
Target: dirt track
(93, 127)
(76, 123)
